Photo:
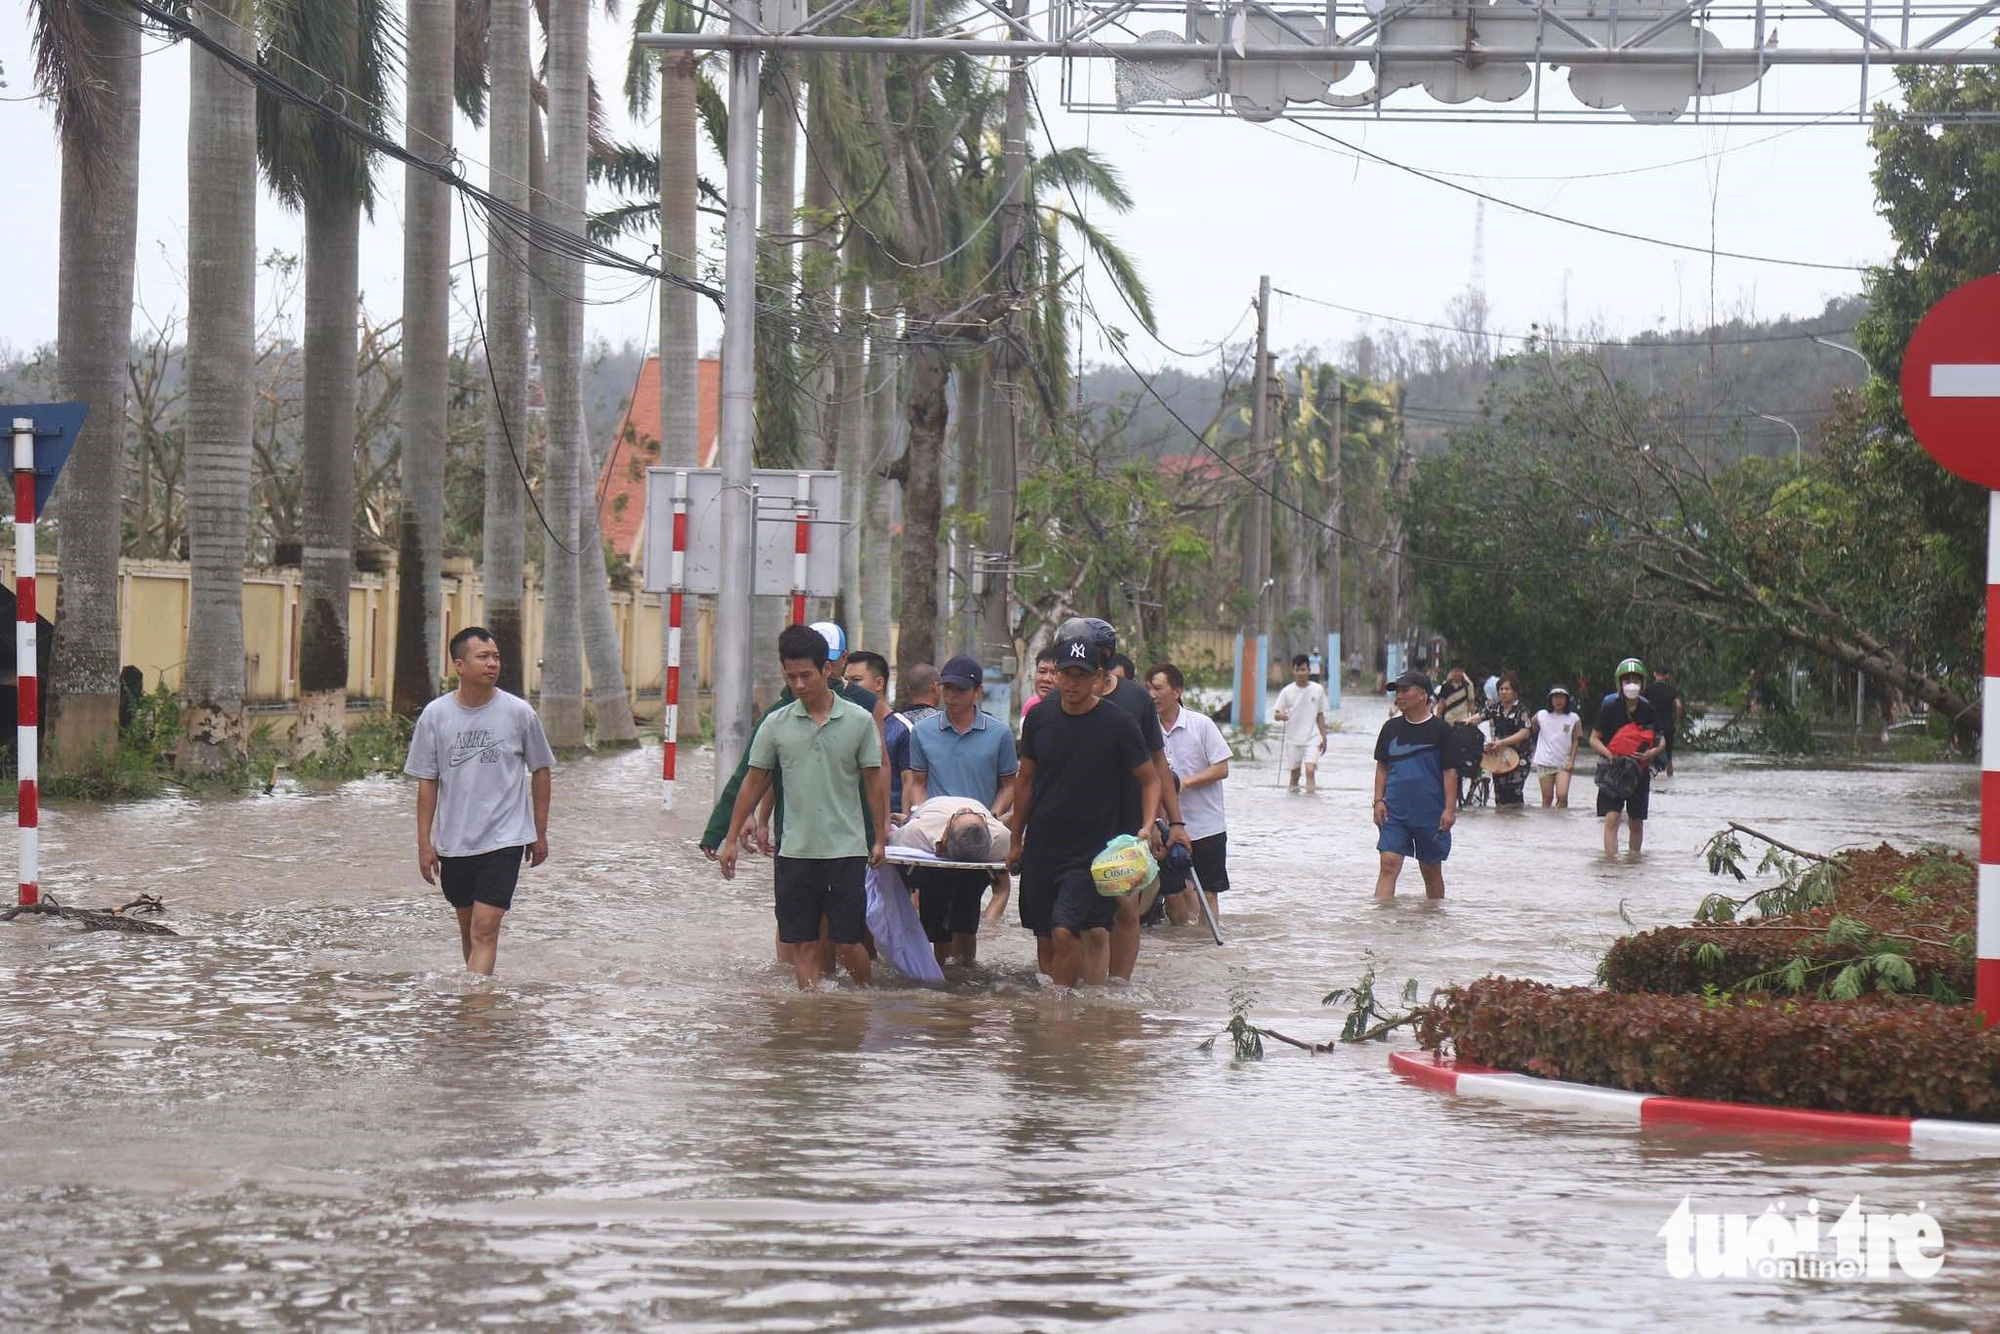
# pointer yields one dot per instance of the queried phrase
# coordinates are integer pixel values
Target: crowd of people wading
(1104, 813)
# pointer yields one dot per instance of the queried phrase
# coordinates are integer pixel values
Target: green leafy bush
(1876, 920)
(1889, 1056)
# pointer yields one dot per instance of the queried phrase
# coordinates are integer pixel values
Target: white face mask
(1631, 689)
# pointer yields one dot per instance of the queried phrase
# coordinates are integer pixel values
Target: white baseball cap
(835, 637)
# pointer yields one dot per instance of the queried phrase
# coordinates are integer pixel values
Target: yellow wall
(153, 623)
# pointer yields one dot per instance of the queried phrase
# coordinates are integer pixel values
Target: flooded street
(303, 1113)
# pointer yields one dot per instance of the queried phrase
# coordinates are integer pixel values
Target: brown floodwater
(302, 1113)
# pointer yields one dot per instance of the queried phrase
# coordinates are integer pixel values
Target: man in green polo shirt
(821, 745)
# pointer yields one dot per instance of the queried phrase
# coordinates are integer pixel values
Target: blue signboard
(56, 427)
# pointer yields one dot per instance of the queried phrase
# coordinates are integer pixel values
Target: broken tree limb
(125, 917)
(1766, 838)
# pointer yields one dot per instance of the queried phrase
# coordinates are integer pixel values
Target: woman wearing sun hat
(1557, 731)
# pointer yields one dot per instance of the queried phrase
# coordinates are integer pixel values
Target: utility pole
(1334, 608)
(737, 508)
(1256, 533)
(995, 643)
(1257, 551)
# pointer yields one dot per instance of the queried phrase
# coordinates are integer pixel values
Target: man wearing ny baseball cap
(1069, 803)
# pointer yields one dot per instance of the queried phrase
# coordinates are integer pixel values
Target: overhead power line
(1601, 230)
(1635, 344)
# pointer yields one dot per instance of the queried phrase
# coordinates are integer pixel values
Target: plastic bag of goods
(1125, 864)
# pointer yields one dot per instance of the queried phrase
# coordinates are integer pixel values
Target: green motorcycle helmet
(1629, 667)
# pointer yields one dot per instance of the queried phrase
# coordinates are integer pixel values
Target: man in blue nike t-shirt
(1416, 789)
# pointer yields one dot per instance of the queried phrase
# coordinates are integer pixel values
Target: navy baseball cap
(962, 671)
(1416, 679)
(1078, 653)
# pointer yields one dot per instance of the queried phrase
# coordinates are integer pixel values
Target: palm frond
(713, 109)
(623, 220)
(1076, 170)
(1118, 265)
(69, 73)
(345, 54)
(471, 29)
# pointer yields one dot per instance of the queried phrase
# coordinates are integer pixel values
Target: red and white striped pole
(1986, 978)
(670, 715)
(801, 543)
(27, 692)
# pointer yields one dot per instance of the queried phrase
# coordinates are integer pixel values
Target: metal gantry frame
(1691, 61)
(1424, 59)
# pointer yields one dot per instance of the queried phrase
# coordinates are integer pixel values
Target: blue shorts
(1430, 845)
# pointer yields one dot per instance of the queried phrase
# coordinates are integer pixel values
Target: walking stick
(1194, 878)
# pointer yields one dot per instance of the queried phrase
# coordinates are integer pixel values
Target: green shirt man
(718, 818)
(822, 764)
(822, 746)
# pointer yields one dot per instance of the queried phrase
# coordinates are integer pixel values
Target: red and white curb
(1924, 1134)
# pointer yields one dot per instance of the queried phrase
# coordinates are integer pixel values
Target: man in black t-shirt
(1665, 697)
(1069, 803)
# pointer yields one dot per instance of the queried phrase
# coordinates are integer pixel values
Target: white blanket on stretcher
(899, 933)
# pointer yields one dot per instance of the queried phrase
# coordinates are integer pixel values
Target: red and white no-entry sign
(1951, 395)
(1951, 382)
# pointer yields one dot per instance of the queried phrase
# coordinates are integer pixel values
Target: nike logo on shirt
(1397, 749)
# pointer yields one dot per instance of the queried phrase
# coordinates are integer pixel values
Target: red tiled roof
(636, 447)
(1194, 467)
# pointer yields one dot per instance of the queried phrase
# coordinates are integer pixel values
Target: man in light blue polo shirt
(960, 752)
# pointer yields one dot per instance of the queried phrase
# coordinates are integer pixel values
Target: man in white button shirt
(1199, 758)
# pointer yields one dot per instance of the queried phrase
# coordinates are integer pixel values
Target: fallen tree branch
(122, 918)
(1766, 838)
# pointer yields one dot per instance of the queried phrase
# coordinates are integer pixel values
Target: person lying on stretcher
(954, 829)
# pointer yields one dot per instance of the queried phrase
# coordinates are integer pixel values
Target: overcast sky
(1219, 201)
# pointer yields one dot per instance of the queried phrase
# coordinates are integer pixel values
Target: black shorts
(1077, 906)
(1634, 806)
(948, 902)
(1045, 888)
(484, 877)
(809, 888)
(1211, 867)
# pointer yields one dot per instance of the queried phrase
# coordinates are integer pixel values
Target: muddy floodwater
(302, 1114)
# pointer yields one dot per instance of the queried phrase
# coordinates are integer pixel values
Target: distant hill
(1768, 366)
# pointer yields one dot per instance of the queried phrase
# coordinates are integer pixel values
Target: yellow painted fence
(153, 628)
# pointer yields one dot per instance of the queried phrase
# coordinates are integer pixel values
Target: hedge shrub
(1920, 905)
(1892, 1056)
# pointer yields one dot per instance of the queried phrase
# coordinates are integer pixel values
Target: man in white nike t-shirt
(1302, 709)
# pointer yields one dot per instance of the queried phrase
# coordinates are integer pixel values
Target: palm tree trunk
(975, 434)
(610, 699)
(819, 273)
(503, 534)
(680, 364)
(222, 308)
(778, 400)
(922, 502)
(680, 347)
(98, 229)
(561, 325)
(884, 375)
(781, 413)
(1004, 411)
(332, 313)
(851, 380)
(426, 357)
